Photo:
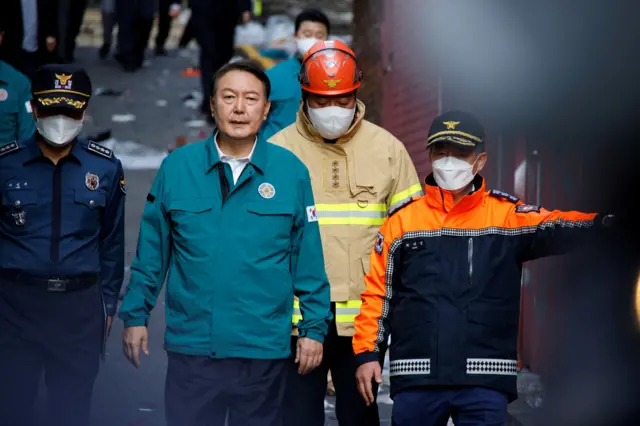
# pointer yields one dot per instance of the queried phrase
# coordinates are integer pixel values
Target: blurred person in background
(108, 13)
(311, 25)
(360, 174)
(445, 281)
(214, 23)
(71, 16)
(135, 21)
(30, 34)
(165, 18)
(16, 120)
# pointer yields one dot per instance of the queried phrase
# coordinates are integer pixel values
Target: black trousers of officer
(305, 394)
(135, 21)
(214, 27)
(201, 390)
(164, 22)
(58, 333)
(72, 22)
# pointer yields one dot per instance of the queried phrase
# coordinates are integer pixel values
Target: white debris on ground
(134, 155)
(123, 118)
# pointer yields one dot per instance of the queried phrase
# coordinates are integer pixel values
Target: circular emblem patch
(266, 190)
(3, 95)
(92, 181)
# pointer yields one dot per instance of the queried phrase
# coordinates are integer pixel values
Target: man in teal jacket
(311, 25)
(232, 221)
(16, 120)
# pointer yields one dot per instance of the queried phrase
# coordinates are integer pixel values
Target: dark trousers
(60, 334)
(203, 391)
(214, 31)
(71, 28)
(187, 34)
(164, 22)
(467, 406)
(305, 394)
(134, 28)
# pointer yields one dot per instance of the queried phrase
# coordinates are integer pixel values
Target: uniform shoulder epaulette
(402, 206)
(9, 148)
(504, 196)
(99, 150)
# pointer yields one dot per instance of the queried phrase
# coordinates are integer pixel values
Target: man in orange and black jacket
(445, 281)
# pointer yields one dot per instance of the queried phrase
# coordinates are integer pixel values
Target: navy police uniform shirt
(64, 220)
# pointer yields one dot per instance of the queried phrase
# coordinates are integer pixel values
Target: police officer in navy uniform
(62, 254)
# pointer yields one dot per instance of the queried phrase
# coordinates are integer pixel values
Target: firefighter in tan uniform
(360, 173)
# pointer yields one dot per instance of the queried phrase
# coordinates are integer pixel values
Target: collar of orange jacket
(442, 199)
(307, 130)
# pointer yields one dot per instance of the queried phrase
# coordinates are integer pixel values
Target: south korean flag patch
(379, 243)
(312, 215)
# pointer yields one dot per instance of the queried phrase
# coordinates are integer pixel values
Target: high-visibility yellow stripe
(351, 221)
(346, 312)
(377, 207)
(253, 54)
(406, 194)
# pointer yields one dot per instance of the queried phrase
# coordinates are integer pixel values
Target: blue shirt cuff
(311, 335)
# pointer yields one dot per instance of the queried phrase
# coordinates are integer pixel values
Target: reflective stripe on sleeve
(404, 196)
(345, 311)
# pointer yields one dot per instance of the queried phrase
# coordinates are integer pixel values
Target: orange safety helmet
(329, 68)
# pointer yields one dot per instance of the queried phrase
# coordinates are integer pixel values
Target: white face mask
(331, 122)
(452, 173)
(304, 44)
(58, 130)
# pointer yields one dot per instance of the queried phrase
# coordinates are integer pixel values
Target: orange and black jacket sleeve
(372, 323)
(551, 232)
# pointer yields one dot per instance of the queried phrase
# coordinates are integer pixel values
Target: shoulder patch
(99, 149)
(399, 207)
(9, 148)
(504, 195)
(527, 208)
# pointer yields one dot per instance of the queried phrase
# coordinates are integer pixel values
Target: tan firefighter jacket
(356, 183)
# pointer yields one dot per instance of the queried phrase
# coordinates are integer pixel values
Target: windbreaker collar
(442, 199)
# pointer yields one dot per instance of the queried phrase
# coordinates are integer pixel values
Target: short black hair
(313, 15)
(245, 65)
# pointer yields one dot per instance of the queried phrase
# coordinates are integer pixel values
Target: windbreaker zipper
(470, 258)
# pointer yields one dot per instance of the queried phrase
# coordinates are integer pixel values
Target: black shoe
(104, 50)
(161, 51)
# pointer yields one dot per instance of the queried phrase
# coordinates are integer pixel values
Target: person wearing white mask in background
(311, 26)
(360, 174)
(62, 254)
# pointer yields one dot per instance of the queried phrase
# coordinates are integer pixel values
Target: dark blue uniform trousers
(58, 333)
(467, 406)
(204, 391)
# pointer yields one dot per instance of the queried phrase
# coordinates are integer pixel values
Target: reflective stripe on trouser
(345, 311)
(403, 196)
(363, 213)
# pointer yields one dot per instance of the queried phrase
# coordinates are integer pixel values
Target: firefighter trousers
(304, 395)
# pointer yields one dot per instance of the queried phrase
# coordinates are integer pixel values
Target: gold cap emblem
(451, 125)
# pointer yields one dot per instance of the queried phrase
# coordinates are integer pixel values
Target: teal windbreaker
(286, 94)
(234, 266)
